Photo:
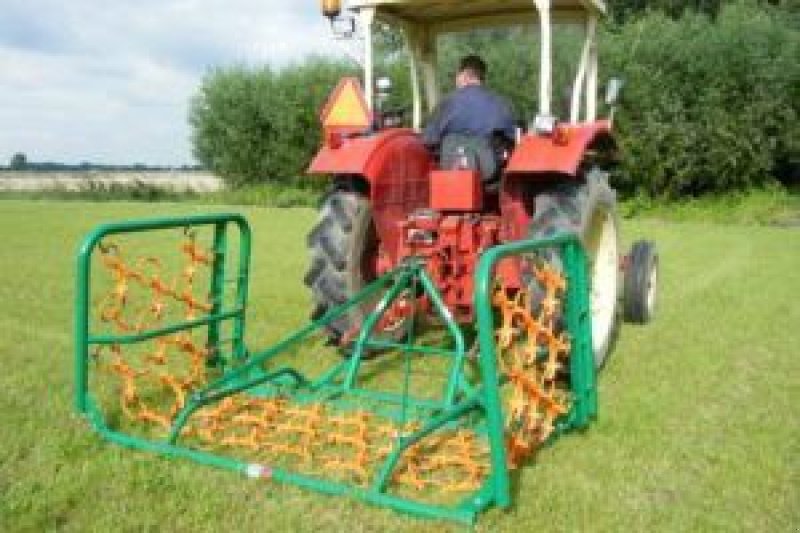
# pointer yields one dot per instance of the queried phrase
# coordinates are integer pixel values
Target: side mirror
(384, 86)
(613, 91)
(343, 26)
(383, 90)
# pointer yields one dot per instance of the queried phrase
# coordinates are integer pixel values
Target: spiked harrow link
(430, 427)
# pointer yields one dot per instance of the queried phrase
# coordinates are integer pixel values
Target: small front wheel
(641, 283)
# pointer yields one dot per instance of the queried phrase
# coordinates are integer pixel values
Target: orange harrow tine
(537, 399)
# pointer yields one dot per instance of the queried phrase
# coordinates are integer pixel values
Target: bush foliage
(253, 125)
(711, 104)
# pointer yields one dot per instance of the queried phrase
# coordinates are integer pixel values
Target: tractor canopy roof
(465, 14)
(422, 21)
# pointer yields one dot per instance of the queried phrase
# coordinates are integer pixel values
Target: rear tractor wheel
(589, 211)
(343, 248)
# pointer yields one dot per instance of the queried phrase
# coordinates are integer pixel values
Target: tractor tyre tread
(642, 260)
(570, 207)
(336, 245)
(334, 253)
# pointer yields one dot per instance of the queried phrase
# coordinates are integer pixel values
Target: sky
(111, 81)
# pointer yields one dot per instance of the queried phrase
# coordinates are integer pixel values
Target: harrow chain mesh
(531, 355)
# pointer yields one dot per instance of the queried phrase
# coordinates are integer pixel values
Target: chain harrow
(350, 445)
(533, 356)
(163, 368)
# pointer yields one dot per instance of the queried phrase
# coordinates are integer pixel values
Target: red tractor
(392, 198)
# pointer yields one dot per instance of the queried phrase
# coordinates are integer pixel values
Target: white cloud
(110, 82)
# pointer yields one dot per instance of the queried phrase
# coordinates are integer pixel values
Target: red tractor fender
(348, 155)
(561, 152)
(392, 161)
(395, 164)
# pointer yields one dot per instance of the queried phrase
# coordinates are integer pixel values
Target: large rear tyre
(589, 210)
(343, 248)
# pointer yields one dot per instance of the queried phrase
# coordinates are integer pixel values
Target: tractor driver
(471, 111)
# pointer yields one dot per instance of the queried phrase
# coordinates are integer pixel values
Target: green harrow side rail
(476, 405)
(221, 223)
(578, 321)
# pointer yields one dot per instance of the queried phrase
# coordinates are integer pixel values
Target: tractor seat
(487, 156)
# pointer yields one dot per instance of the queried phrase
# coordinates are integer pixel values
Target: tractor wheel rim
(604, 282)
(652, 290)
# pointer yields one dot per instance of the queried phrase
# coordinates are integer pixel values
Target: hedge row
(709, 106)
(251, 125)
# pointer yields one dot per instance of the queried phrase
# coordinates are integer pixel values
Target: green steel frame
(259, 374)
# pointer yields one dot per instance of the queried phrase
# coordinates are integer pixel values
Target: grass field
(698, 431)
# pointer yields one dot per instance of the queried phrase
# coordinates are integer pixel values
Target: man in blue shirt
(470, 110)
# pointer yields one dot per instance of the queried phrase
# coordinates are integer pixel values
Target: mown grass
(698, 426)
(774, 205)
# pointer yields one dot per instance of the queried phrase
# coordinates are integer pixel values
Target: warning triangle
(346, 107)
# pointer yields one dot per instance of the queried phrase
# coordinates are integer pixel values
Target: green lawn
(698, 429)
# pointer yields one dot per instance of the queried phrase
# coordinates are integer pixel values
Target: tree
(623, 9)
(19, 161)
(254, 125)
(709, 106)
